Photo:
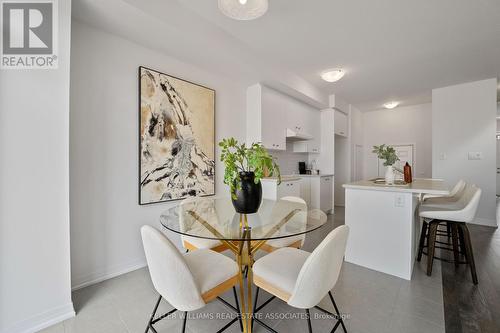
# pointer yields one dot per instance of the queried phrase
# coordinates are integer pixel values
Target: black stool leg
(454, 238)
(309, 326)
(468, 252)
(432, 242)
(461, 239)
(421, 243)
(184, 322)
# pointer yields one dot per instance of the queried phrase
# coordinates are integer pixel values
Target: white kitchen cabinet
(311, 146)
(341, 124)
(305, 190)
(326, 193)
(288, 187)
(265, 114)
(322, 193)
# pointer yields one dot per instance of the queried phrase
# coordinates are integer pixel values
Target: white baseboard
(485, 222)
(43, 320)
(105, 274)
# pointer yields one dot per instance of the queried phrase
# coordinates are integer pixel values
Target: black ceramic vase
(249, 196)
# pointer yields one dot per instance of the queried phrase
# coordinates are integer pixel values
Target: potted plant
(245, 167)
(388, 154)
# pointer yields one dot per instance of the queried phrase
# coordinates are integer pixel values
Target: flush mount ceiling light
(391, 105)
(243, 9)
(333, 75)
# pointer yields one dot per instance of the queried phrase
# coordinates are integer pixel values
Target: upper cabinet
(265, 118)
(273, 118)
(341, 124)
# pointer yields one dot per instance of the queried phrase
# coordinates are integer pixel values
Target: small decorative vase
(249, 196)
(389, 175)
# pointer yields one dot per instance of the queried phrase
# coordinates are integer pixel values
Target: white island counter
(384, 223)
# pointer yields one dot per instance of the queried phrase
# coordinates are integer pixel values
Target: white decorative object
(243, 9)
(389, 175)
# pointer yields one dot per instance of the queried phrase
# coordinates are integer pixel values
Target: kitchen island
(384, 223)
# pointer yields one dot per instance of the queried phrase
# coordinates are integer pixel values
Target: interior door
(405, 154)
(358, 162)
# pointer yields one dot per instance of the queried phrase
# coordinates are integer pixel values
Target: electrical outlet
(399, 201)
(475, 155)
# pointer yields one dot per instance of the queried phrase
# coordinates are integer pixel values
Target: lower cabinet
(271, 190)
(321, 193)
(317, 192)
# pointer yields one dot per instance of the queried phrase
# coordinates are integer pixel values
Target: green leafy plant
(386, 153)
(240, 158)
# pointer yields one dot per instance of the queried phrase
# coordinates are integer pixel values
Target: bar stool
(448, 201)
(456, 214)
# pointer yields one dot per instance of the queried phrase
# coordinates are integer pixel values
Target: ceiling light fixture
(333, 75)
(391, 105)
(243, 9)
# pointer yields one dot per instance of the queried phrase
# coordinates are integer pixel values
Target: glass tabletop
(216, 218)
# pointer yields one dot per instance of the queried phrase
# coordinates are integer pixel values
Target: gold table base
(244, 259)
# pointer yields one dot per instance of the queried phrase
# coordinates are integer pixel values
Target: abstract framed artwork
(176, 138)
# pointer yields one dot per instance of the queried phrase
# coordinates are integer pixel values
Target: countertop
(419, 185)
(285, 178)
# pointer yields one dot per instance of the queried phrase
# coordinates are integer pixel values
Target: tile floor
(373, 303)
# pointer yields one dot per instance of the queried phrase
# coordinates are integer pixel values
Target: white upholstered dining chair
(296, 241)
(186, 281)
(303, 279)
(194, 243)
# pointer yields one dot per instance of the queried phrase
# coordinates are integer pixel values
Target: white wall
(34, 193)
(463, 118)
(105, 216)
(401, 125)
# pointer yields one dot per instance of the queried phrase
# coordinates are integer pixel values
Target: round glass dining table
(243, 234)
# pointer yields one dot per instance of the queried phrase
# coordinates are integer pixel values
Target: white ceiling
(391, 49)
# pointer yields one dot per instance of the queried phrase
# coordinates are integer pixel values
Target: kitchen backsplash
(288, 160)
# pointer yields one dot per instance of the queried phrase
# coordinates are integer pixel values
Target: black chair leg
(309, 326)
(461, 243)
(431, 247)
(454, 238)
(184, 322)
(153, 315)
(255, 303)
(339, 316)
(421, 243)
(238, 308)
(468, 252)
